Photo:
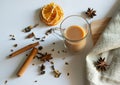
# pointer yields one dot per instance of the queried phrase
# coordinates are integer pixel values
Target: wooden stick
(23, 49)
(27, 62)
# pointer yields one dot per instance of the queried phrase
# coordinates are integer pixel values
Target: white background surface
(15, 15)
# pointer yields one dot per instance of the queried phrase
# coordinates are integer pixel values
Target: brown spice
(42, 40)
(5, 82)
(40, 48)
(23, 49)
(46, 57)
(42, 72)
(26, 54)
(64, 51)
(58, 52)
(52, 49)
(12, 38)
(27, 62)
(35, 81)
(40, 54)
(53, 43)
(68, 74)
(11, 50)
(11, 35)
(43, 37)
(15, 45)
(33, 64)
(42, 67)
(101, 65)
(53, 68)
(30, 35)
(66, 63)
(52, 62)
(37, 38)
(28, 29)
(48, 32)
(90, 13)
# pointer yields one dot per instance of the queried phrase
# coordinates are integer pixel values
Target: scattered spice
(48, 32)
(43, 37)
(37, 38)
(52, 62)
(42, 40)
(46, 57)
(33, 64)
(41, 54)
(53, 68)
(52, 49)
(42, 67)
(56, 73)
(68, 74)
(15, 45)
(53, 43)
(66, 63)
(35, 81)
(28, 29)
(42, 72)
(38, 57)
(5, 82)
(30, 35)
(12, 38)
(40, 48)
(58, 52)
(90, 13)
(101, 65)
(11, 50)
(11, 35)
(26, 54)
(64, 51)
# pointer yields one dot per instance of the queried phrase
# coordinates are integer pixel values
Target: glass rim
(73, 16)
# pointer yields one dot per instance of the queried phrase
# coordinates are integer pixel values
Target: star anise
(91, 13)
(101, 65)
(46, 57)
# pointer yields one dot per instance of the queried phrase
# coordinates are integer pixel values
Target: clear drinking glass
(74, 30)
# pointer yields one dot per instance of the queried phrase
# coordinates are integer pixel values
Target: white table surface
(15, 15)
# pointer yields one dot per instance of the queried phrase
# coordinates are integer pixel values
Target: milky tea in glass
(74, 30)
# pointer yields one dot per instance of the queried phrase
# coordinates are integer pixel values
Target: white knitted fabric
(108, 46)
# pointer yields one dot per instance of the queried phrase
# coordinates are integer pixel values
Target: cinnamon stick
(27, 62)
(23, 49)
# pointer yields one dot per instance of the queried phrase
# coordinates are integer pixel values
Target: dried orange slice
(51, 14)
(58, 17)
(47, 11)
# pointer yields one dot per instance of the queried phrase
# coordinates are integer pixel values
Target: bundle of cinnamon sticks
(28, 60)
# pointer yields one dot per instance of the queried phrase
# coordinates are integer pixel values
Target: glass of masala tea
(74, 30)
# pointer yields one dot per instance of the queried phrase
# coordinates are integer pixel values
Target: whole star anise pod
(46, 57)
(101, 65)
(91, 13)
